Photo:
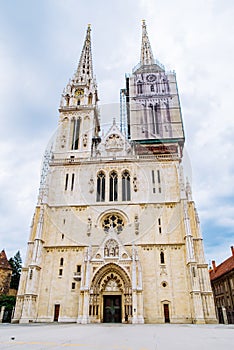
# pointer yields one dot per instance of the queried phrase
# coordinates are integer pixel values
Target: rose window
(113, 220)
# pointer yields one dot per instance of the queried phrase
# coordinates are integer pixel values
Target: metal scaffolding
(123, 112)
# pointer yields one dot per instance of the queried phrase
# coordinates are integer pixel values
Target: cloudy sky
(40, 45)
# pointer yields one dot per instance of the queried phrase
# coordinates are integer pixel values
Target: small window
(60, 272)
(194, 271)
(159, 226)
(31, 274)
(62, 236)
(162, 258)
(78, 268)
(73, 285)
(72, 181)
(152, 88)
(153, 179)
(159, 179)
(66, 181)
(61, 262)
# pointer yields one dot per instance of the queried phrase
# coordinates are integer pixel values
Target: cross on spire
(147, 57)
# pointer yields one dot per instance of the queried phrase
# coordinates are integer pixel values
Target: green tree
(16, 265)
(7, 301)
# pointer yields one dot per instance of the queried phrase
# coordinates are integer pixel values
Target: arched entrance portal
(110, 295)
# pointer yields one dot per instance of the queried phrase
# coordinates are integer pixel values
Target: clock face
(151, 78)
(79, 92)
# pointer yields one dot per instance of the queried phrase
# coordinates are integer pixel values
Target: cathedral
(115, 237)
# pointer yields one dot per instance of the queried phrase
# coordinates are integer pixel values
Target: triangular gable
(114, 143)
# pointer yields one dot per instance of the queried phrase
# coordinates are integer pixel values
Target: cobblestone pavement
(116, 337)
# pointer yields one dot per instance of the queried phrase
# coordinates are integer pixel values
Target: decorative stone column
(85, 313)
(140, 308)
(85, 317)
(80, 307)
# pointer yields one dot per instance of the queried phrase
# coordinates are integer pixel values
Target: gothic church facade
(116, 236)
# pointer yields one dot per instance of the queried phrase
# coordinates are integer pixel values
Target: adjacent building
(116, 235)
(5, 274)
(222, 282)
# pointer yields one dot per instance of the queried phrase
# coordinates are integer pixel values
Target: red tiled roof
(224, 267)
(4, 264)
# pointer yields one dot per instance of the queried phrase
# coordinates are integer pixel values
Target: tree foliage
(16, 265)
(7, 301)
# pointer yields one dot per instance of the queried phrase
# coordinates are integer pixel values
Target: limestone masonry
(115, 236)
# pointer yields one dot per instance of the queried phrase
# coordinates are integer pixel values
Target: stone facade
(116, 236)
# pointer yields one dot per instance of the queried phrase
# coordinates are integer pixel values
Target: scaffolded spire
(85, 67)
(147, 57)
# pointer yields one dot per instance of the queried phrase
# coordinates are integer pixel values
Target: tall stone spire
(84, 70)
(147, 57)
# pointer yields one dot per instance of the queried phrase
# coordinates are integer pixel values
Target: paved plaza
(116, 337)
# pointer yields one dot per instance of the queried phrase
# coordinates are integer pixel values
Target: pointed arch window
(76, 133)
(152, 120)
(154, 114)
(90, 99)
(113, 195)
(126, 191)
(67, 99)
(101, 187)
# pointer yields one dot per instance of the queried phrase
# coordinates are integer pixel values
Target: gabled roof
(4, 263)
(225, 267)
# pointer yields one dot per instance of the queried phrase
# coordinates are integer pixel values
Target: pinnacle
(85, 67)
(147, 57)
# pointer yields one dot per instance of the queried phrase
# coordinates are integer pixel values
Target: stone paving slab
(116, 337)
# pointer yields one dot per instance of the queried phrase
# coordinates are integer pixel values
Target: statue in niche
(91, 185)
(112, 286)
(63, 141)
(135, 183)
(136, 224)
(114, 143)
(89, 225)
(85, 140)
(111, 248)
